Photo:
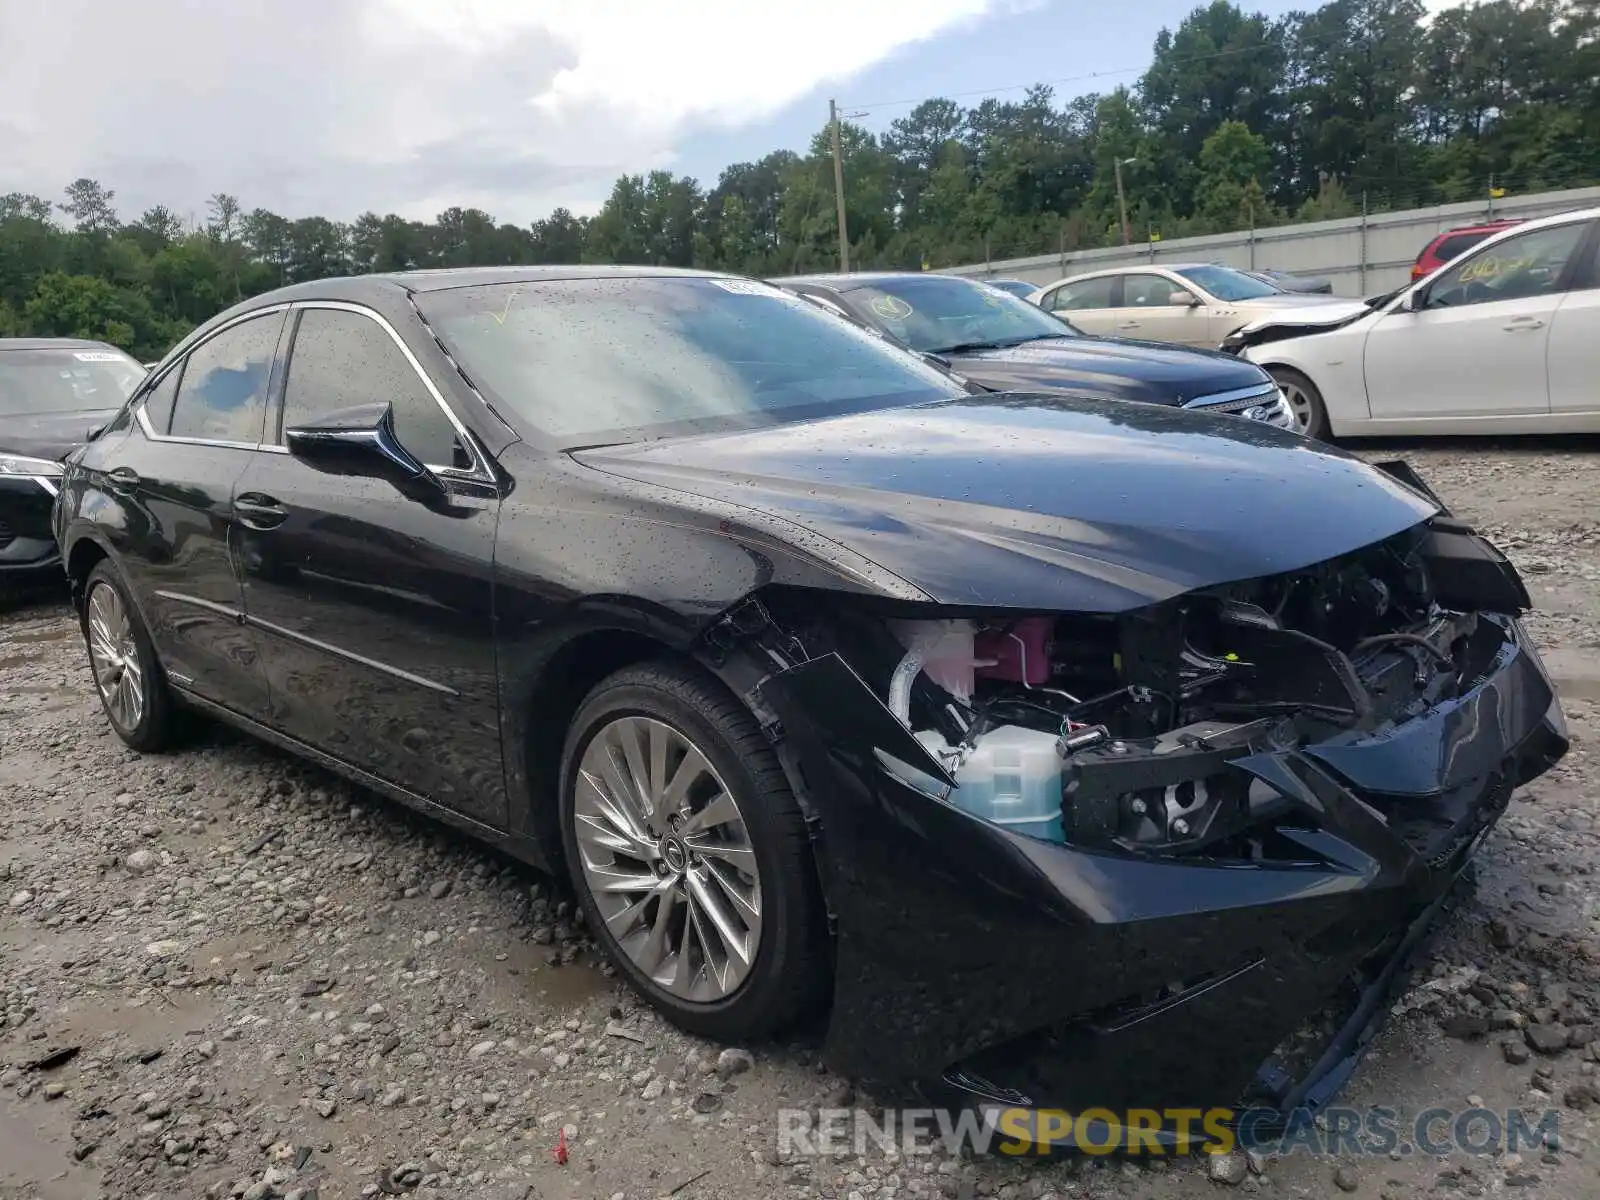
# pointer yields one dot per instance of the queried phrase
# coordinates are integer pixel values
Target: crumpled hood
(50, 435)
(1044, 502)
(1326, 315)
(1116, 368)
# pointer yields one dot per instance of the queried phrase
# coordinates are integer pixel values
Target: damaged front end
(1299, 322)
(1116, 860)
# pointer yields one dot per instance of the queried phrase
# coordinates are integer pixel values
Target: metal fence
(1360, 255)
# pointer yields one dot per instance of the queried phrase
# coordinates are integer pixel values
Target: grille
(6, 535)
(1266, 396)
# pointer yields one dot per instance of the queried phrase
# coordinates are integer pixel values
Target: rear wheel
(1305, 401)
(132, 688)
(690, 855)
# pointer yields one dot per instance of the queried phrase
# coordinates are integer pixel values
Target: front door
(1477, 344)
(199, 425)
(373, 606)
(1147, 311)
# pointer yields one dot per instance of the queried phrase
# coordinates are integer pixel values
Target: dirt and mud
(224, 973)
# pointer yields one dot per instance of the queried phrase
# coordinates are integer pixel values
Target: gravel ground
(223, 973)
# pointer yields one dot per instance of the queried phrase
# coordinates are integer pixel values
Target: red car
(1452, 242)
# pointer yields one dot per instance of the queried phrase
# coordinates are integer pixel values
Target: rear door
(200, 423)
(1087, 303)
(373, 607)
(1573, 355)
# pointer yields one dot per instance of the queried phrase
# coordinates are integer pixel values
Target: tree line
(1240, 120)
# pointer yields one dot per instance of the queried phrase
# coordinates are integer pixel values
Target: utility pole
(1122, 203)
(838, 187)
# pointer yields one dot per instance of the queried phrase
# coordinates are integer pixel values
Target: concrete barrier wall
(1362, 256)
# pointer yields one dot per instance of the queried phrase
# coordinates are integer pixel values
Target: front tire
(1305, 402)
(127, 675)
(690, 855)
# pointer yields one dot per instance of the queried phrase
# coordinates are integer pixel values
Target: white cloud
(337, 106)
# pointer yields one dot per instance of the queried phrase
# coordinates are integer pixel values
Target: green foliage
(1240, 118)
(86, 306)
(1233, 162)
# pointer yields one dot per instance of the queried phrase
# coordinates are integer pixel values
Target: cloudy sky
(335, 107)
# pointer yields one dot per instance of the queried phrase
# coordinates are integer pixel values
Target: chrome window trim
(150, 384)
(144, 424)
(479, 471)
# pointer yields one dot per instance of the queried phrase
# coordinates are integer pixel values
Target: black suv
(54, 393)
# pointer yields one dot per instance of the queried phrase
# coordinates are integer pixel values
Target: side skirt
(521, 848)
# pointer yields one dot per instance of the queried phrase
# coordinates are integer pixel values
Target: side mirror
(1413, 301)
(1185, 299)
(360, 441)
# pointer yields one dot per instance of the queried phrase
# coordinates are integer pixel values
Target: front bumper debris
(28, 554)
(993, 969)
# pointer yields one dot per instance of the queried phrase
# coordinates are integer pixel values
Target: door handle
(1129, 325)
(1520, 323)
(258, 511)
(123, 479)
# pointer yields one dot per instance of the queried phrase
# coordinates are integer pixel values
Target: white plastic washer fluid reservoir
(1012, 777)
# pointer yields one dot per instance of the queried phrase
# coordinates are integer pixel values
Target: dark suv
(54, 392)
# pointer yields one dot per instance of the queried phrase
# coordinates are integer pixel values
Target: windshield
(65, 380)
(1227, 284)
(937, 314)
(590, 362)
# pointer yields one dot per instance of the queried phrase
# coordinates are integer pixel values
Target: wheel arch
(1340, 378)
(546, 680)
(80, 558)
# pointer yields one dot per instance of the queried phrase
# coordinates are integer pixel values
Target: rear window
(52, 380)
(1456, 244)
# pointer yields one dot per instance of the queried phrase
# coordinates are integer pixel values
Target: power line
(1022, 87)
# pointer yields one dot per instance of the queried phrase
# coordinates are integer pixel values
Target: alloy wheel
(114, 656)
(667, 858)
(1300, 404)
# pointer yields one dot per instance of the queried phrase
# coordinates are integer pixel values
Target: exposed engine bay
(1117, 731)
(1244, 803)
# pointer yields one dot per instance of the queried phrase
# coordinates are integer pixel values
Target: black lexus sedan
(1002, 343)
(1002, 724)
(54, 392)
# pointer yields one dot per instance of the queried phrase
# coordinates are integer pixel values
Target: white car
(1193, 304)
(1504, 339)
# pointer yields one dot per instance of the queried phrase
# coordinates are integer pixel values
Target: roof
(21, 343)
(1471, 226)
(439, 279)
(855, 279)
(1522, 224)
(391, 288)
(1161, 266)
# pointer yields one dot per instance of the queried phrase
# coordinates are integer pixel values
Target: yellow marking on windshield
(500, 317)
